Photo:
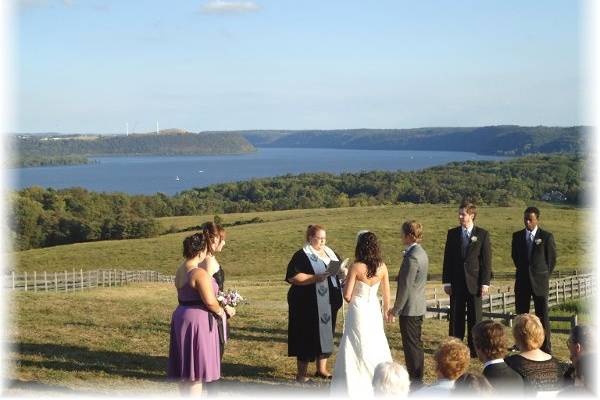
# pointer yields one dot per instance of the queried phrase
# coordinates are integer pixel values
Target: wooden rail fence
(73, 280)
(501, 305)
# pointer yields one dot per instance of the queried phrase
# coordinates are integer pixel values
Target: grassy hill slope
(262, 250)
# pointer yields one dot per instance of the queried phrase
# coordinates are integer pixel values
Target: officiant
(314, 299)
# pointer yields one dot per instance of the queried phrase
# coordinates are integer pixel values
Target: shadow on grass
(76, 358)
(245, 370)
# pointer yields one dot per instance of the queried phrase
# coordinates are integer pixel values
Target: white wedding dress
(363, 344)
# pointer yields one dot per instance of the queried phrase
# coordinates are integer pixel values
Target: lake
(172, 174)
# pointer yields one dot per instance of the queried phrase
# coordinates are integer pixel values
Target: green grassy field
(262, 250)
(116, 340)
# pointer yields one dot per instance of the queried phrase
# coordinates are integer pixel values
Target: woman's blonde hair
(528, 332)
(452, 358)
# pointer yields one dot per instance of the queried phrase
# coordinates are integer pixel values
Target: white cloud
(229, 7)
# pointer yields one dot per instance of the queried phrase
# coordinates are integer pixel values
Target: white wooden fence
(77, 280)
(501, 305)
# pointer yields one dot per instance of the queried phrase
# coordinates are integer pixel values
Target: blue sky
(93, 65)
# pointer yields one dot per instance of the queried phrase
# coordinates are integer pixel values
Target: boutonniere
(538, 241)
(403, 253)
(473, 239)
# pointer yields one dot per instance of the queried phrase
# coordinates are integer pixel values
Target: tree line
(47, 217)
(502, 139)
(170, 143)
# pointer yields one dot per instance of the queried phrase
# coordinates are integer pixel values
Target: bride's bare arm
(386, 290)
(350, 281)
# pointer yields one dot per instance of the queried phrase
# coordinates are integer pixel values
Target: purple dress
(194, 350)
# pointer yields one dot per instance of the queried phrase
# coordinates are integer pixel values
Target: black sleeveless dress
(220, 279)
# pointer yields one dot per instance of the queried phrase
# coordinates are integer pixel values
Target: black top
(538, 375)
(220, 278)
(503, 378)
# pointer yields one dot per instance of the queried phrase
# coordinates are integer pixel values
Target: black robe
(303, 318)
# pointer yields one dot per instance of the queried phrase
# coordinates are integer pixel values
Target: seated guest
(390, 379)
(451, 361)
(580, 342)
(472, 385)
(584, 383)
(491, 345)
(540, 371)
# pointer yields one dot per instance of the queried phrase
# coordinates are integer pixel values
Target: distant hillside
(168, 142)
(498, 140)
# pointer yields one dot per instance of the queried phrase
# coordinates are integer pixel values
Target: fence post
(557, 300)
(97, 278)
(35, 281)
(66, 281)
(503, 302)
(435, 294)
(89, 279)
(573, 321)
(55, 281)
(491, 302)
(45, 281)
(25, 280)
(81, 277)
(103, 278)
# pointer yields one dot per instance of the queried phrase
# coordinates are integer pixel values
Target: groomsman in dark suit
(534, 255)
(467, 272)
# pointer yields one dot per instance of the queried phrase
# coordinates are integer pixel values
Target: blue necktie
(465, 242)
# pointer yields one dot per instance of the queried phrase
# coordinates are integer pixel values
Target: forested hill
(170, 142)
(498, 140)
(47, 217)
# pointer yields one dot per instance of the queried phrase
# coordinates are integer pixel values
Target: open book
(335, 267)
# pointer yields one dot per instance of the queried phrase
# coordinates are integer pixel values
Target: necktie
(465, 242)
(529, 242)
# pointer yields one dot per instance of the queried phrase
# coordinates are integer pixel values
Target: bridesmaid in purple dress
(194, 351)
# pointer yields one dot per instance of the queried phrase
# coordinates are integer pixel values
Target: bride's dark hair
(368, 252)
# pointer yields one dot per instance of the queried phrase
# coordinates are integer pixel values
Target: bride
(363, 344)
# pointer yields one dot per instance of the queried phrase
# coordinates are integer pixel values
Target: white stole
(322, 289)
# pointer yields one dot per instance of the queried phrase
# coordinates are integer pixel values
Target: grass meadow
(115, 340)
(262, 250)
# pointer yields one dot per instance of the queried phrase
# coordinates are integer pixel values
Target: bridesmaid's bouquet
(229, 298)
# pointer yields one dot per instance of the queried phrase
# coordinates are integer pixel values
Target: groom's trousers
(410, 329)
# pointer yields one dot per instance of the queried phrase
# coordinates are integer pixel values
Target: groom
(410, 302)
(467, 272)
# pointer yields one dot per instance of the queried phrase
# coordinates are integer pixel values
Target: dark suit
(504, 379)
(533, 275)
(466, 273)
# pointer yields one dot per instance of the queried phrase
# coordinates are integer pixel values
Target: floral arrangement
(229, 298)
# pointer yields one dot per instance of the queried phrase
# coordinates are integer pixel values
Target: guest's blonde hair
(390, 378)
(452, 358)
(528, 332)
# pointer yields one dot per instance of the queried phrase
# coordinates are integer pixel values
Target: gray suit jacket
(410, 297)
